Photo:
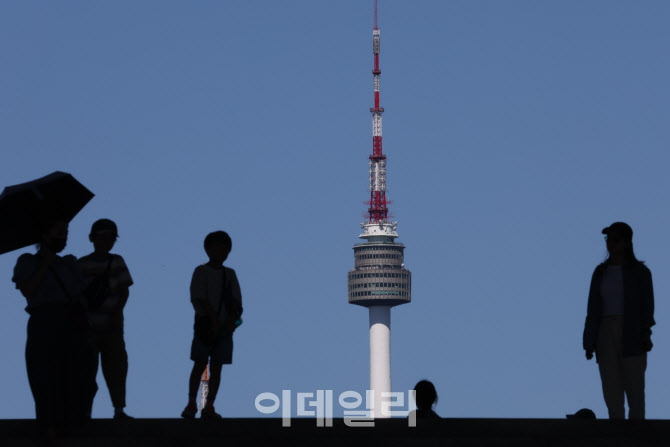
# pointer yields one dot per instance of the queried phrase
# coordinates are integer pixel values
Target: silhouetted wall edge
(393, 432)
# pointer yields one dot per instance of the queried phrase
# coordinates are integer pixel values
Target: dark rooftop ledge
(393, 432)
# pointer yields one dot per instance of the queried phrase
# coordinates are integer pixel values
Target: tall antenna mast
(378, 210)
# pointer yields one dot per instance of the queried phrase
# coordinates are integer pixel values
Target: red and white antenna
(378, 210)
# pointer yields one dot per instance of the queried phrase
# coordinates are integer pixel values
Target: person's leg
(114, 359)
(213, 388)
(633, 369)
(610, 367)
(214, 382)
(221, 354)
(45, 368)
(93, 365)
(194, 380)
(82, 366)
(193, 384)
(95, 346)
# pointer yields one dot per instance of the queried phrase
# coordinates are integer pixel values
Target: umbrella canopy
(26, 207)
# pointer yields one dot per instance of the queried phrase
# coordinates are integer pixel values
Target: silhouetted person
(217, 300)
(618, 323)
(59, 358)
(107, 279)
(425, 397)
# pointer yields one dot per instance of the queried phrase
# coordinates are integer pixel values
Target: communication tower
(379, 279)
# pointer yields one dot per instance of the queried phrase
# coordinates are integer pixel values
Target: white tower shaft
(380, 359)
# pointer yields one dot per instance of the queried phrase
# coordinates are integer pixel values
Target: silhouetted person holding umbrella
(59, 357)
(618, 325)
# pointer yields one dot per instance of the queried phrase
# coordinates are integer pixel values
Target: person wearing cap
(107, 279)
(619, 318)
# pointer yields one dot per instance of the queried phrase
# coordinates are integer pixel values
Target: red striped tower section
(378, 210)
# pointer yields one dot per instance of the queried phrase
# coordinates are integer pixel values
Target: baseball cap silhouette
(104, 225)
(620, 229)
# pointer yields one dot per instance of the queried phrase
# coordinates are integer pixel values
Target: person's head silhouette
(218, 246)
(53, 234)
(619, 241)
(103, 235)
(425, 395)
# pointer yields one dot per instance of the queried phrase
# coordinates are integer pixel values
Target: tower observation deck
(379, 276)
(379, 279)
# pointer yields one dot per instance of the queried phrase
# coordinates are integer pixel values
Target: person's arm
(124, 281)
(123, 298)
(648, 298)
(236, 301)
(237, 295)
(592, 315)
(29, 286)
(116, 305)
(647, 294)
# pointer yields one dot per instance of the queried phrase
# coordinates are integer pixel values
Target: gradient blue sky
(515, 131)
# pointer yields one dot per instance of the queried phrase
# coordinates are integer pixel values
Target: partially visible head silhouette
(218, 245)
(425, 395)
(102, 226)
(619, 238)
(619, 229)
(103, 235)
(54, 234)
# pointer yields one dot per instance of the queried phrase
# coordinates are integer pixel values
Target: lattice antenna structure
(378, 210)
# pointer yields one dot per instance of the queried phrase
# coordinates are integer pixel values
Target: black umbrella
(25, 207)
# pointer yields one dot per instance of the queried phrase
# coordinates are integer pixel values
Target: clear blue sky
(515, 131)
